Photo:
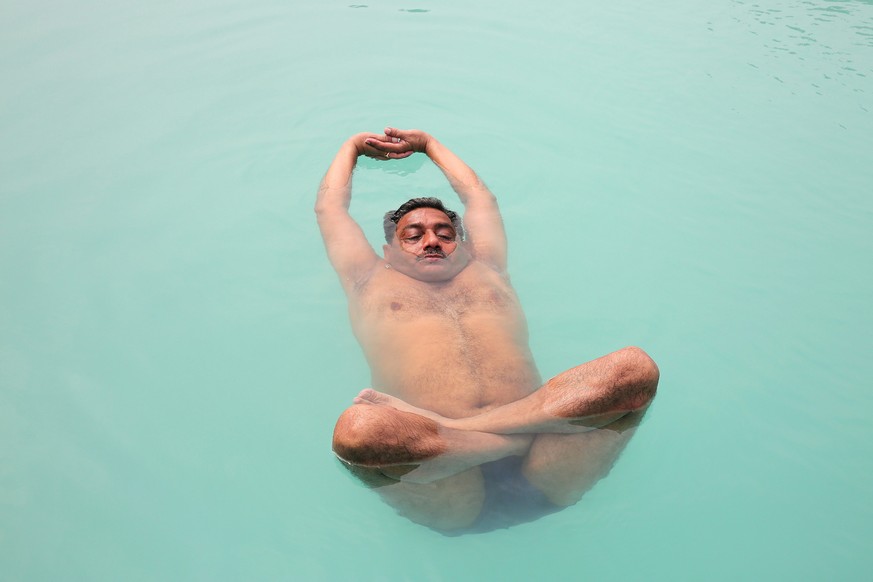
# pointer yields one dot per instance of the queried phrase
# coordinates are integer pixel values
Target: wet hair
(392, 217)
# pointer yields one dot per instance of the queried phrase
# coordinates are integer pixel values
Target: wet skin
(443, 330)
(425, 247)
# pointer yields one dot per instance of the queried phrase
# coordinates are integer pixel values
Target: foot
(373, 397)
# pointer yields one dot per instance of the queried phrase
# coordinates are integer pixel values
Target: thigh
(565, 466)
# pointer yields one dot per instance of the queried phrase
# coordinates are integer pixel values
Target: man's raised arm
(482, 221)
(350, 254)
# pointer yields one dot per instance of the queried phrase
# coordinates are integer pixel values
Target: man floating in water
(462, 435)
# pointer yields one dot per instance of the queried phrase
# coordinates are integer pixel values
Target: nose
(430, 239)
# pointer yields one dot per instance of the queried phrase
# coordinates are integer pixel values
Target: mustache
(430, 251)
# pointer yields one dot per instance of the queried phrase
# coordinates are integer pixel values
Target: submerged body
(460, 428)
(457, 348)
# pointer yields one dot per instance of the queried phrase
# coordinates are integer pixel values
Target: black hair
(392, 217)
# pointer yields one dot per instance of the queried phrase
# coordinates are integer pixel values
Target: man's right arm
(350, 254)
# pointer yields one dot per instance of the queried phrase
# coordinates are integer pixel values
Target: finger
(389, 138)
(397, 155)
(382, 147)
(394, 133)
(385, 156)
(376, 153)
(397, 135)
(378, 146)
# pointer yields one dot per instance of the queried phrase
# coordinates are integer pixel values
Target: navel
(396, 306)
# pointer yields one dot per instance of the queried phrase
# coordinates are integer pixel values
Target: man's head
(392, 217)
(425, 241)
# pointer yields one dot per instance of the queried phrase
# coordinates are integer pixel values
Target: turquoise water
(174, 348)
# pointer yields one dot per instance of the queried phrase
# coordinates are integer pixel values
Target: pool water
(689, 177)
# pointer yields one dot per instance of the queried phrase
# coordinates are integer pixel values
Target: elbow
(323, 208)
(641, 373)
(326, 205)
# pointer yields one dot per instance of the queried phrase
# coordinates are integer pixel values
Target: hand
(413, 139)
(380, 147)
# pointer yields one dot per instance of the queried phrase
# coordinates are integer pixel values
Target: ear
(385, 250)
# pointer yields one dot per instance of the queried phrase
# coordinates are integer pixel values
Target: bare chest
(452, 347)
(392, 298)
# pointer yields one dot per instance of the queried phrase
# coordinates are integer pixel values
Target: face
(426, 246)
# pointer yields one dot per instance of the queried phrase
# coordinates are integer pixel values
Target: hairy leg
(433, 455)
(588, 396)
(427, 472)
(411, 448)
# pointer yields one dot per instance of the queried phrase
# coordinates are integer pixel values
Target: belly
(454, 370)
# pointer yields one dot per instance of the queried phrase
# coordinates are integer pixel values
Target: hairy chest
(464, 341)
(394, 298)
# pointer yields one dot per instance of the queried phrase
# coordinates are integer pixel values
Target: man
(461, 434)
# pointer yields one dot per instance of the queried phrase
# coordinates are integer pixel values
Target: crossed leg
(433, 459)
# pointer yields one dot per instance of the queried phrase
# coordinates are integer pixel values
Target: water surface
(174, 348)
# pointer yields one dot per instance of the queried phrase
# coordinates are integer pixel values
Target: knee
(373, 436)
(356, 429)
(637, 359)
(637, 370)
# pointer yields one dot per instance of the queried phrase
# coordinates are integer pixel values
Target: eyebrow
(420, 226)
